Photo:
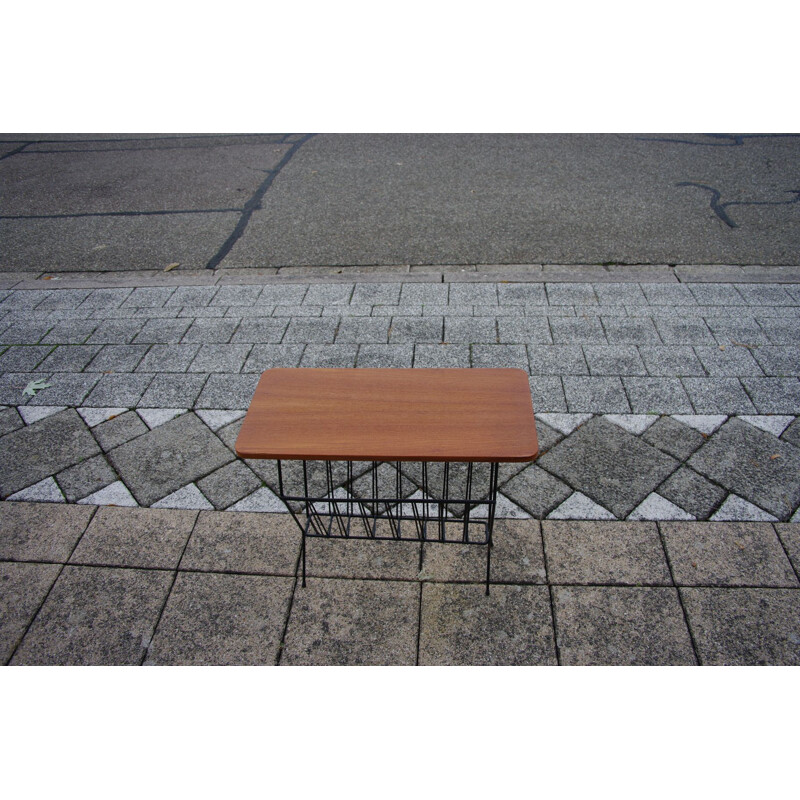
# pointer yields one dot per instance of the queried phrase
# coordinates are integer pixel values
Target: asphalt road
(142, 201)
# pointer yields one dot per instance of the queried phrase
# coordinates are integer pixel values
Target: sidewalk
(667, 402)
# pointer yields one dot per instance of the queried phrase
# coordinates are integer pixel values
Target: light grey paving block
(466, 330)
(692, 492)
(705, 423)
(581, 330)
(115, 494)
(116, 331)
(329, 294)
(372, 294)
(363, 329)
(149, 296)
(671, 361)
(153, 417)
(716, 294)
(85, 478)
(192, 296)
(329, 355)
(96, 616)
(118, 358)
(385, 355)
(441, 355)
(21, 300)
(23, 587)
(236, 296)
(168, 358)
(228, 484)
(525, 330)
(668, 294)
(301, 311)
(168, 457)
(66, 389)
(764, 294)
(780, 331)
(117, 431)
(619, 330)
(536, 491)
(684, 331)
(657, 396)
(614, 294)
(656, 507)
(521, 294)
(243, 542)
(40, 532)
(72, 332)
(10, 420)
(266, 356)
(465, 294)
(718, 396)
(282, 294)
(23, 359)
(352, 622)
(374, 311)
(727, 554)
(595, 395)
(37, 451)
(106, 298)
(771, 423)
(557, 360)
(737, 509)
(135, 537)
(228, 391)
(413, 294)
(220, 358)
(212, 331)
(435, 310)
(166, 331)
(118, 390)
(31, 414)
(70, 358)
(500, 355)
(779, 362)
(745, 626)
(320, 331)
(547, 394)
(616, 625)
(187, 497)
(570, 294)
(740, 330)
(460, 626)
(222, 620)
(579, 506)
(12, 386)
(633, 423)
(774, 395)
(613, 360)
(45, 491)
(25, 332)
(413, 330)
(272, 330)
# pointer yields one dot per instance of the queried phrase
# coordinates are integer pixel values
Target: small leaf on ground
(34, 387)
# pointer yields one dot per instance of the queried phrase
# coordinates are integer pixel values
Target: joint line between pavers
(786, 553)
(550, 592)
(289, 607)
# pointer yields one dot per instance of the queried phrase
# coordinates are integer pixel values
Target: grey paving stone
(684, 331)
(228, 391)
(435, 310)
(619, 330)
(118, 391)
(12, 385)
(228, 484)
(595, 395)
(118, 358)
(499, 355)
(753, 464)
(671, 361)
(149, 296)
(614, 360)
(730, 361)
(412, 330)
(363, 329)
(320, 331)
(718, 396)
(466, 330)
(615, 625)
(25, 332)
(15, 301)
(609, 465)
(168, 457)
(328, 294)
(792, 434)
(374, 311)
(536, 491)
(168, 358)
(657, 396)
(692, 493)
(789, 535)
(361, 558)
(764, 294)
(612, 294)
(236, 296)
(376, 294)
(727, 554)
(570, 294)
(351, 622)
(716, 294)
(32, 453)
(464, 294)
(673, 437)
(23, 587)
(135, 537)
(522, 294)
(71, 332)
(581, 330)
(220, 358)
(745, 626)
(303, 311)
(192, 296)
(10, 420)
(582, 552)
(66, 389)
(213, 331)
(224, 541)
(419, 293)
(41, 531)
(119, 430)
(222, 620)
(526, 330)
(547, 394)
(85, 478)
(166, 331)
(460, 626)
(557, 360)
(96, 616)
(329, 355)
(741, 330)
(668, 294)
(441, 355)
(266, 356)
(116, 331)
(774, 395)
(70, 358)
(385, 355)
(780, 362)
(23, 359)
(780, 331)
(282, 294)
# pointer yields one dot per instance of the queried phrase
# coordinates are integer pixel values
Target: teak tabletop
(391, 415)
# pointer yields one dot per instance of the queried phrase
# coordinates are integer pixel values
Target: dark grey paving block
(25, 332)
(742, 331)
(81, 480)
(565, 359)
(149, 296)
(320, 331)
(222, 620)
(228, 391)
(464, 294)
(227, 541)
(609, 465)
(220, 358)
(547, 436)
(353, 622)
(228, 484)
(500, 355)
(718, 396)
(595, 395)
(613, 360)
(657, 396)
(385, 355)
(570, 294)
(10, 420)
(96, 616)
(792, 433)
(582, 552)
(753, 464)
(684, 331)
(779, 331)
(692, 492)
(547, 394)
(779, 362)
(106, 298)
(41, 531)
(728, 360)
(192, 296)
(789, 535)
(363, 329)
(764, 294)
(23, 358)
(150, 538)
(619, 626)
(23, 587)
(521, 294)
(774, 395)
(118, 358)
(581, 330)
(266, 356)
(32, 453)
(441, 355)
(118, 430)
(536, 491)
(524, 330)
(461, 626)
(727, 554)
(70, 358)
(329, 355)
(21, 300)
(745, 626)
(71, 332)
(12, 386)
(118, 391)
(168, 358)
(116, 331)
(671, 361)
(668, 294)
(472, 330)
(362, 558)
(328, 294)
(66, 389)
(630, 331)
(168, 457)
(413, 330)
(216, 331)
(173, 391)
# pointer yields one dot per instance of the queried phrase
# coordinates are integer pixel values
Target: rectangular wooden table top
(390, 415)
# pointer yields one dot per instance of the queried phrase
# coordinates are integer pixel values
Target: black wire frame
(397, 518)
